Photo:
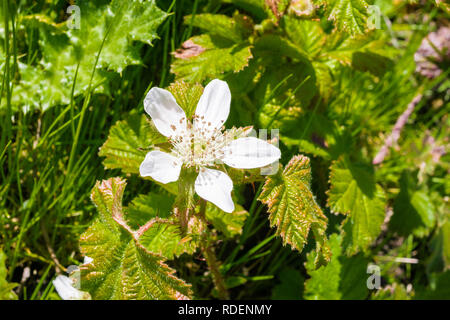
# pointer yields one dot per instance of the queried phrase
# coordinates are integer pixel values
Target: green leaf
(256, 7)
(374, 63)
(148, 206)
(341, 48)
(236, 28)
(354, 193)
(293, 208)
(114, 30)
(294, 83)
(342, 278)
(445, 233)
(392, 292)
(230, 224)
(439, 288)
(348, 15)
(6, 288)
(413, 209)
(119, 24)
(162, 236)
(187, 95)
(207, 57)
(439, 259)
(224, 50)
(122, 267)
(268, 44)
(307, 35)
(128, 143)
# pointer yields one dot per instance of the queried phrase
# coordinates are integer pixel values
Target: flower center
(200, 144)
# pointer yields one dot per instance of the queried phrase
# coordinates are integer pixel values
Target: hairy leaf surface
(122, 268)
(349, 15)
(293, 208)
(214, 57)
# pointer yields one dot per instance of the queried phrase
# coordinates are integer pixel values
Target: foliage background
(334, 89)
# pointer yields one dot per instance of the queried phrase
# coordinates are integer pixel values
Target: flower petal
(214, 105)
(161, 166)
(215, 186)
(87, 260)
(166, 114)
(65, 289)
(250, 153)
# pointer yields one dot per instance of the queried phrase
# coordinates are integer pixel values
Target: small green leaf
(148, 206)
(293, 208)
(122, 268)
(236, 28)
(213, 57)
(348, 15)
(374, 63)
(307, 35)
(413, 209)
(128, 143)
(342, 278)
(354, 193)
(187, 95)
(256, 7)
(439, 288)
(392, 292)
(230, 224)
(6, 288)
(162, 235)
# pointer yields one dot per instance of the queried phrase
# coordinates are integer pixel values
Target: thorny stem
(211, 259)
(149, 224)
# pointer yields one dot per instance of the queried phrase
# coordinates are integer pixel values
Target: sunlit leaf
(236, 28)
(257, 7)
(342, 278)
(230, 224)
(348, 15)
(6, 288)
(293, 208)
(213, 58)
(187, 95)
(128, 142)
(163, 234)
(71, 54)
(354, 193)
(122, 268)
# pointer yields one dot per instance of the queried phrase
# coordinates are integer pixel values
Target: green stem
(184, 202)
(213, 266)
(211, 259)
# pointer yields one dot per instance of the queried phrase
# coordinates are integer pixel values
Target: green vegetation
(358, 89)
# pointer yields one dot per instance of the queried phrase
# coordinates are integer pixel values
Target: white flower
(202, 143)
(64, 287)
